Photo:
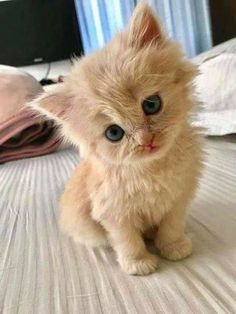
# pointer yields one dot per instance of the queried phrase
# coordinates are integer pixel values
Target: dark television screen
(34, 31)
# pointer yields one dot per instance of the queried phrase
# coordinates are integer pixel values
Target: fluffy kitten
(127, 107)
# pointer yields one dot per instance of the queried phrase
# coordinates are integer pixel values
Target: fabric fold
(22, 133)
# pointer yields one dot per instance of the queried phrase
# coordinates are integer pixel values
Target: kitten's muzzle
(149, 146)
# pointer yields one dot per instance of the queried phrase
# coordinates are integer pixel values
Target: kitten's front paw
(142, 266)
(176, 250)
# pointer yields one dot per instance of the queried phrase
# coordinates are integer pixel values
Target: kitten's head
(128, 101)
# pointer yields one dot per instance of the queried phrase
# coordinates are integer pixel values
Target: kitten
(127, 107)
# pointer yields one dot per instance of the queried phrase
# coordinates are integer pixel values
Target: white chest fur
(144, 194)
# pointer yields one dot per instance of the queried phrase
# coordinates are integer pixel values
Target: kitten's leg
(82, 228)
(171, 239)
(75, 212)
(131, 251)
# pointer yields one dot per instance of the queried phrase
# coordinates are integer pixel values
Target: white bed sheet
(42, 271)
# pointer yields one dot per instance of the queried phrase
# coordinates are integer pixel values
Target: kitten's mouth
(148, 150)
(150, 147)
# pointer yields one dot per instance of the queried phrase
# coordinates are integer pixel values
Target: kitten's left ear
(144, 28)
(53, 104)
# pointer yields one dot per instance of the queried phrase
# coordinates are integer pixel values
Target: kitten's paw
(176, 250)
(142, 266)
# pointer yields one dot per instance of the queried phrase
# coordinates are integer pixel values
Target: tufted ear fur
(53, 104)
(144, 28)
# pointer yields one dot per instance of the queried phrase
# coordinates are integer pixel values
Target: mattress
(42, 271)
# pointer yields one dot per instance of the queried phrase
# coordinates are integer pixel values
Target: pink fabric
(22, 133)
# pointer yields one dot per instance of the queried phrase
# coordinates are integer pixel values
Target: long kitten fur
(140, 174)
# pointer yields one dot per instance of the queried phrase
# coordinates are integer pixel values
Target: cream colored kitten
(127, 107)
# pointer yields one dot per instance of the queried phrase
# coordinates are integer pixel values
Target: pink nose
(147, 142)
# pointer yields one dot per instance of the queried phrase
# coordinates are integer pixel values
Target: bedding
(42, 271)
(216, 89)
(217, 92)
(22, 133)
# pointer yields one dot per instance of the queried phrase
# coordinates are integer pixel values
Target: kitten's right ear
(53, 104)
(144, 27)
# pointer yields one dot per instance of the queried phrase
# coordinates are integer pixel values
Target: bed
(42, 271)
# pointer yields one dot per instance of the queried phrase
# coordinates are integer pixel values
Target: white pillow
(216, 88)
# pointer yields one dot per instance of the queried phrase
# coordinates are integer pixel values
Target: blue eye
(151, 105)
(114, 133)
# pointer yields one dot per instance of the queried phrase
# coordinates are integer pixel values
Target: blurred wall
(223, 20)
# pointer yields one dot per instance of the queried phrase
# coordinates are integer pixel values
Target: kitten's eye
(152, 105)
(114, 133)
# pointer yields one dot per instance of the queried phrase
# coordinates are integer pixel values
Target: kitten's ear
(53, 104)
(144, 28)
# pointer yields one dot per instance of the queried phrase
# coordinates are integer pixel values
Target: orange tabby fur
(119, 191)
